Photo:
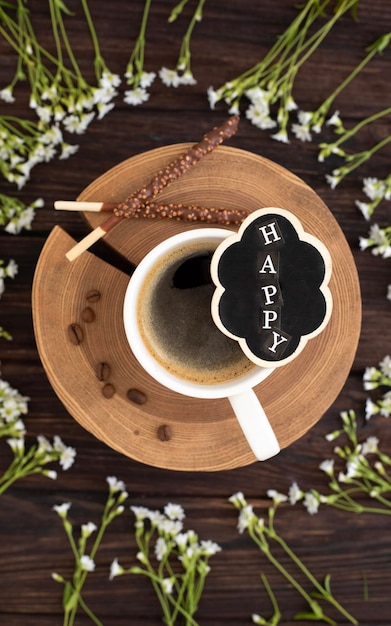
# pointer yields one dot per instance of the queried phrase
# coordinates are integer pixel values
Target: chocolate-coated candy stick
(157, 210)
(163, 178)
(177, 168)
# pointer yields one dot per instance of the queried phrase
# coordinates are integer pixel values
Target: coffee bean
(87, 315)
(136, 396)
(93, 295)
(103, 371)
(75, 334)
(164, 432)
(108, 390)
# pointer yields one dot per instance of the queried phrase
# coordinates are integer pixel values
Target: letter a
(268, 267)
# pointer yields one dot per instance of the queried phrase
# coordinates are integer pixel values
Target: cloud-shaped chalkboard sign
(272, 292)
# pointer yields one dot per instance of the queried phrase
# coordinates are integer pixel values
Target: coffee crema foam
(177, 328)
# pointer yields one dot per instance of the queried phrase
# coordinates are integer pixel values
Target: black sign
(272, 290)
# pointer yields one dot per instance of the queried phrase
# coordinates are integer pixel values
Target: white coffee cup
(239, 390)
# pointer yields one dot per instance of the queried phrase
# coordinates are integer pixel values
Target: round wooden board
(205, 435)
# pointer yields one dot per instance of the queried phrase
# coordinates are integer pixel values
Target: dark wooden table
(354, 549)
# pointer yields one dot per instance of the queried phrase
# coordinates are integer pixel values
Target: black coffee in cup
(175, 320)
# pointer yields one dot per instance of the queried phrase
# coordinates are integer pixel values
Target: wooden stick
(156, 210)
(76, 205)
(164, 177)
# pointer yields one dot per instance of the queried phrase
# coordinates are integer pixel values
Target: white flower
(147, 79)
(301, 132)
(12, 269)
(104, 108)
(52, 474)
(304, 117)
(311, 503)
(174, 511)
(213, 96)
(385, 410)
(370, 446)
(385, 366)
(365, 208)
(170, 78)
(67, 150)
(78, 124)
(259, 117)
(136, 96)
(140, 556)
(209, 548)
(6, 95)
(281, 135)
(364, 243)
(115, 484)
(169, 527)
(161, 548)
(86, 563)
(334, 120)
(327, 466)
(370, 378)
(246, 516)
(295, 494)
(141, 512)
(260, 97)
(16, 445)
(238, 499)
(291, 104)
(44, 444)
(276, 496)
(108, 80)
(353, 467)
(44, 113)
(167, 585)
(67, 454)
(115, 569)
(187, 78)
(88, 529)
(370, 409)
(373, 188)
(51, 136)
(62, 509)
(389, 292)
(333, 180)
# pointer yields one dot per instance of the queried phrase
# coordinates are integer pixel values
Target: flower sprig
(175, 561)
(84, 557)
(313, 121)
(182, 73)
(15, 215)
(352, 160)
(270, 82)
(136, 76)
(8, 270)
(375, 377)
(365, 475)
(35, 459)
(378, 241)
(376, 190)
(266, 537)
(60, 96)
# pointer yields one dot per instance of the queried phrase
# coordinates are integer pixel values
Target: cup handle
(255, 424)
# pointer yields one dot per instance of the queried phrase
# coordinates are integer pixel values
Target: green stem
(98, 62)
(323, 592)
(368, 120)
(184, 54)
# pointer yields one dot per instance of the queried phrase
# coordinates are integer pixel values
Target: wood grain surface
(354, 549)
